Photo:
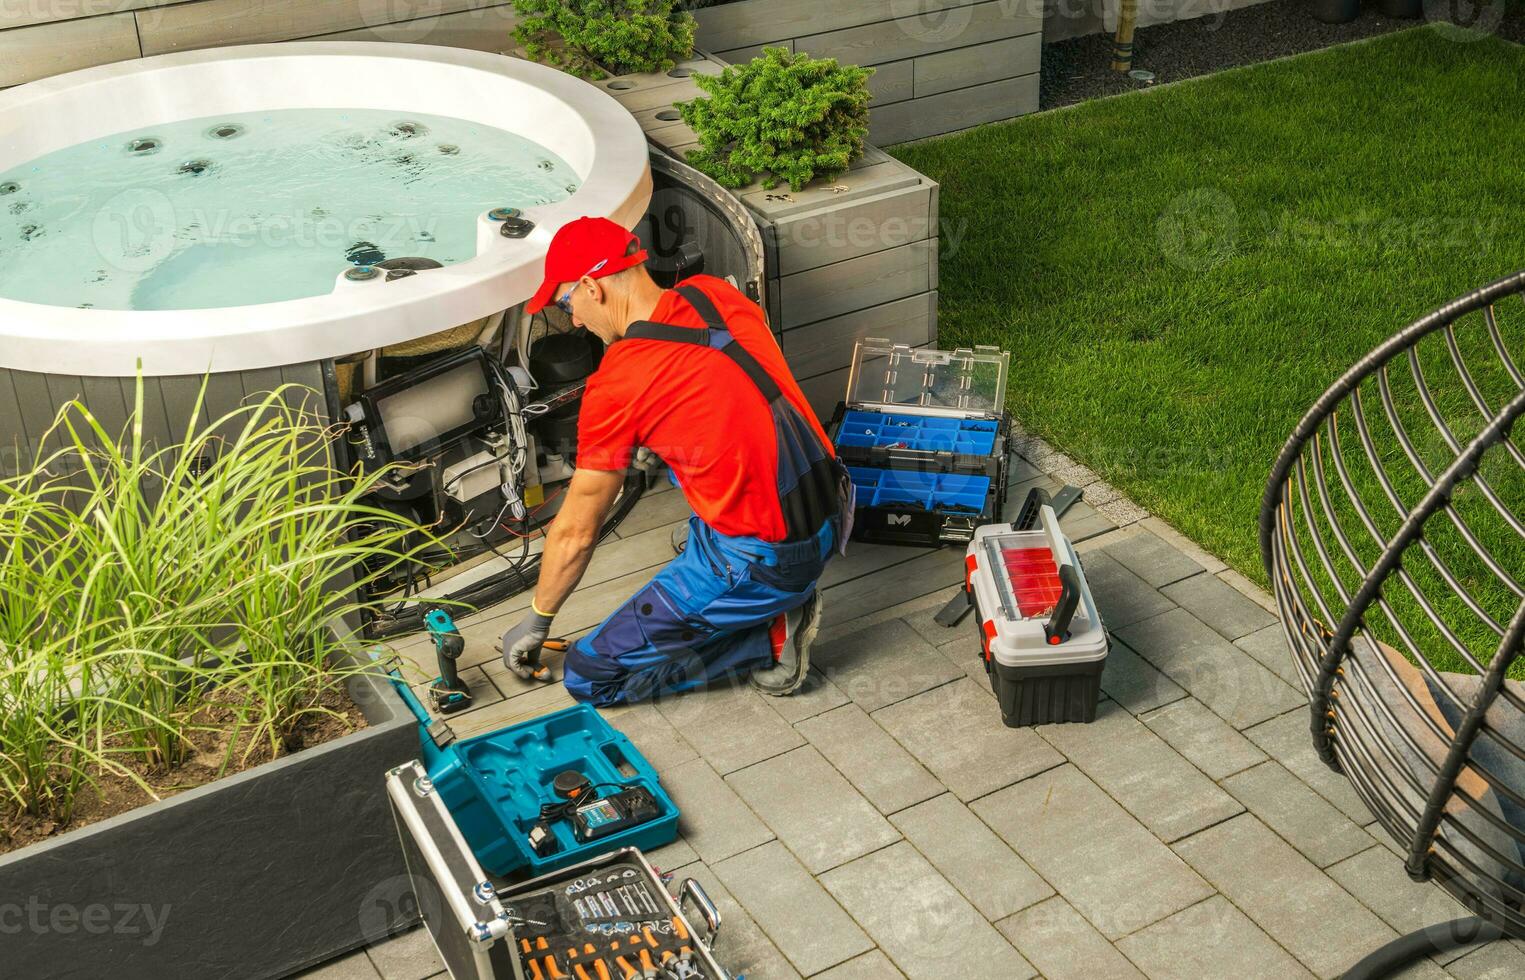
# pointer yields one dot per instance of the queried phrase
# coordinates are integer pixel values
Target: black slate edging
(258, 875)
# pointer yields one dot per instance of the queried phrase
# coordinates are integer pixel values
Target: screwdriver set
(611, 919)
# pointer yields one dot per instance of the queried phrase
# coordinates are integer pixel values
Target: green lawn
(1180, 273)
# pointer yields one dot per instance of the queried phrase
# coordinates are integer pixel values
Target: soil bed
(115, 794)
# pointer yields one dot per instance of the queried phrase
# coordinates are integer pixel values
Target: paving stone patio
(884, 823)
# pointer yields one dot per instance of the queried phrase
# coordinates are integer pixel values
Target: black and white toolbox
(924, 433)
(607, 918)
(1042, 641)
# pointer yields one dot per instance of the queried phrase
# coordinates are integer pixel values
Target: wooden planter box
(258, 875)
(850, 258)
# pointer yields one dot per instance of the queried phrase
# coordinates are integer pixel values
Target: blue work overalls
(707, 614)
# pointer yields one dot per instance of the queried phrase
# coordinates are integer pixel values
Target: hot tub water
(256, 207)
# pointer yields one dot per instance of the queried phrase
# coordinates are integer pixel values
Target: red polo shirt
(696, 409)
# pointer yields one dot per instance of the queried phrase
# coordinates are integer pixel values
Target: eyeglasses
(565, 303)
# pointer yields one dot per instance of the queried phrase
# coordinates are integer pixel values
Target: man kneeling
(694, 374)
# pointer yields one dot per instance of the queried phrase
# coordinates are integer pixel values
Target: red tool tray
(1034, 579)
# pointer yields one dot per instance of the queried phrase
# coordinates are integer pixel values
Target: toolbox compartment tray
(925, 443)
(910, 507)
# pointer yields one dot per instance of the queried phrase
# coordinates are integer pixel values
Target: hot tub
(55, 350)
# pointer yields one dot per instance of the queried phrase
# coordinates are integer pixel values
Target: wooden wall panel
(211, 23)
(21, 13)
(65, 45)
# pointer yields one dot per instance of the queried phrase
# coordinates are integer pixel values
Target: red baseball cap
(577, 250)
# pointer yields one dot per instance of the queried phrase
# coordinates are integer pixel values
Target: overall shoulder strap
(714, 334)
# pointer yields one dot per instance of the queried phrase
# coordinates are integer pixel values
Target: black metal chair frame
(1305, 544)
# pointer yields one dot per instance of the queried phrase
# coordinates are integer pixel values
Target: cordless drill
(449, 693)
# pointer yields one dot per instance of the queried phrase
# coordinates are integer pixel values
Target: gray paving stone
(1151, 559)
(1269, 646)
(956, 732)
(1121, 597)
(1378, 880)
(742, 946)
(1423, 970)
(1303, 909)
(1304, 819)
(882, 664)
(680, 853)
(1210, 939)
(1220, 675)
(873, 965)
(801, 919)
(1183, 544)
(1495, 961)
(812, 809)
(715, 821)
(817, 695)
(920, 920)
(1207, 741)
(886, 587)
(966, 656)
(1102, 860)
(1137, 768)
(877, 765)
(919, 614)
(1286, 740)
(1219, 605)
(353, 966)
(654, 511)
(653, 735)
(972, 857)
(1063, 945)
(1134, 683)
(411, 956)
(730, 726)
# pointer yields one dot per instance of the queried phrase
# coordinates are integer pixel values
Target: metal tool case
(471, 928)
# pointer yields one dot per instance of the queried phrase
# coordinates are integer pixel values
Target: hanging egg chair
(1393, 532)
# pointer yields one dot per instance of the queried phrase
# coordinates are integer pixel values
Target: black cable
(502, 585)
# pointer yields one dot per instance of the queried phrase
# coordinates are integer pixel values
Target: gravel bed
(1080, 68)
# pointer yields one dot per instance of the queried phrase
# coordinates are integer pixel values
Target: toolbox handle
(1057, 629)
(691, 889)
(1032, 508)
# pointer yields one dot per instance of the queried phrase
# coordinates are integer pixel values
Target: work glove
(521, 647)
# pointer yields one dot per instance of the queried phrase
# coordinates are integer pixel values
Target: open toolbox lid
(887, 377)
(1031, 595)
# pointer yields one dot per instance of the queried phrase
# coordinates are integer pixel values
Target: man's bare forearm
(567, 554)
(573, 535)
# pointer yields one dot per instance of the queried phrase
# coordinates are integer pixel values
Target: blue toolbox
(924, 435)
(545, 793)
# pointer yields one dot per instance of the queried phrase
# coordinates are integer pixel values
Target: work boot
(792, 635)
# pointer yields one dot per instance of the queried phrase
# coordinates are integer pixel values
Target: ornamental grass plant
(152, 594)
